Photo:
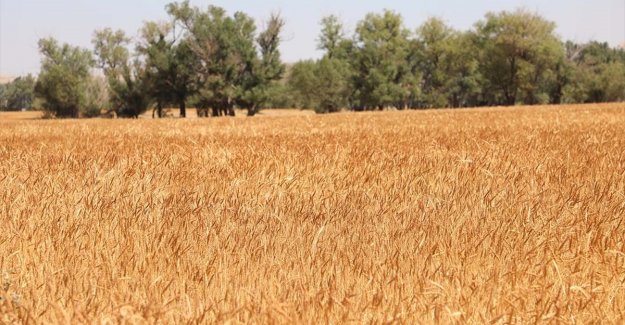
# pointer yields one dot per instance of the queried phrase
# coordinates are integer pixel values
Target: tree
(215, 39)
(170, 65)
(302, 80)
(3, 96)
(518, 51)
(382, 49)
(62, 82)
(463, 88)
(280, 95)
(332, 35)
(97, 98)
(263, 72)
(232, 72)
(332, 87)
(337, 63)
(435, 42)
(595, 73)
(323, 85)
(613, 81)
(18, 94)
(127, 79)
(448, 65)
(220, 61)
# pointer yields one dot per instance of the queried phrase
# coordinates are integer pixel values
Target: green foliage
(236, 66)
(127, 79)
(323, 85)
(97, 98)
(613, 79)
(332, 36)
(3, 96)
(333, 85)
(382, 49)
(435, 46)
(18, 94)
(519, 51)
(447, 63)
(302, 80)
(463, 87)
(595, 73)
(265, 71)
(219, 61)
(170, 66)
(508, 58)
(62, 83)
(279, 95)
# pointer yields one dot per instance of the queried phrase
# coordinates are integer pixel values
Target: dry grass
(478, 216)
(30, 115)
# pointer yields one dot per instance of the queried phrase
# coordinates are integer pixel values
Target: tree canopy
(126, 77)
(215, 61)
(18, 94)
(64, 77)
(508, 58)
(235, 64)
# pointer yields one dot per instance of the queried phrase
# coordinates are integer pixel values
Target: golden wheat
(472, 216)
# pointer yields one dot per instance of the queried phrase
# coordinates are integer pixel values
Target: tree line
(18, 94)
(206, 58)
(508, 58)
(215, 62)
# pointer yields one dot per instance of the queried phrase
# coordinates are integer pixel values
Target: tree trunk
(556, 97)
(183, 109)
(511, 99)
(215, 111)
(229, 107)
(252, 111)
(202, 112)
(158, 110)
(512, 93)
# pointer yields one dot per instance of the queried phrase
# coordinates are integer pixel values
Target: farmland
(486, 215)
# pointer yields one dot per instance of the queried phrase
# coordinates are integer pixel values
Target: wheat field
(505, 215)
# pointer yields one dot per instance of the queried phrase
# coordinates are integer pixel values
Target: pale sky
(23, 22)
